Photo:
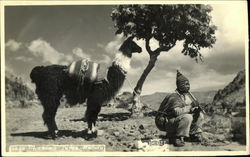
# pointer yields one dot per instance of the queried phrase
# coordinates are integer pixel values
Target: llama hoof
(56, 132)
(94, 133)
(53, 134)
(90, 137)
(89, 132)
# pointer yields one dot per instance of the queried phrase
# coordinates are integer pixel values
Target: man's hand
(194, 109)
(162, 118)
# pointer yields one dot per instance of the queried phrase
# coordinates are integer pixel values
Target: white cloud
(231, 20)
(13, 45)
(43, 49)
(24, 59)
(210, 80)
(100, 45)
(135, 71)
(113, 46)
(79, 53)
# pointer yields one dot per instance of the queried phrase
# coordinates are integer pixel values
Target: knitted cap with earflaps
(180, 80)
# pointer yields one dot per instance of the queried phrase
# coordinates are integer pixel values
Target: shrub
(239, 129)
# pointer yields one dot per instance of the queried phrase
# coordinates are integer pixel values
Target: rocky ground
(117, 131)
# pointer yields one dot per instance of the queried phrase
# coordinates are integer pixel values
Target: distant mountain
(205, 97)
(154, 100)
(233, 95)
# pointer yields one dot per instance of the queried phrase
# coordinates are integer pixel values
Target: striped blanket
(86, 69)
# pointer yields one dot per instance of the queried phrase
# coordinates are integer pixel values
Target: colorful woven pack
(84, 68)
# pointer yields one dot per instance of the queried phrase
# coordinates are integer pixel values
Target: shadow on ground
(43, 135)
(62, 133)
(114, 117)
(108, 117)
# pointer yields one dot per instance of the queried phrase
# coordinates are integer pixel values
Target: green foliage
(168, 24)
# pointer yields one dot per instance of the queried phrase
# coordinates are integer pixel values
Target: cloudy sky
(44, 35)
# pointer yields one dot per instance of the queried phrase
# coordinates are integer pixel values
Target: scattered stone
(141, 127)
(130, 134)
(133, 127)
(106, 136)
(116, 133)
(129, 145)
(125, 127)
(134, 146)
(142, 131)
(100, 118)
(226, 142)
(100, 132)
(137, 138)
(220, 137)
(110, 143)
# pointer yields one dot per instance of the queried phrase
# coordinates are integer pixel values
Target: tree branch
(164, 48)
(148, 48)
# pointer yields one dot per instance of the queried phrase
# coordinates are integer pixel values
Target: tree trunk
(137, 105)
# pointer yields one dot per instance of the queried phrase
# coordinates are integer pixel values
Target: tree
(167, 24)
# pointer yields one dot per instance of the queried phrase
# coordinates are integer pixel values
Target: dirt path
(117, 132)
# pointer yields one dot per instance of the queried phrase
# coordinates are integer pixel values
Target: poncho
(167, 106)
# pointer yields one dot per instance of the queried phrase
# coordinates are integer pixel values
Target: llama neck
(122, 61)
(117, 73)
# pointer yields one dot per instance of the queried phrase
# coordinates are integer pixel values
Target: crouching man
(179, 114)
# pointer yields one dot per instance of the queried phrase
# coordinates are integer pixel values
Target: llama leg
(49, 118)
(89, 127)
(94, 119)
(93, 108)
(88, 114)
(91, 123)
(94, 127)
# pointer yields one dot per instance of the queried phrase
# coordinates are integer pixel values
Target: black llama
(54, 81)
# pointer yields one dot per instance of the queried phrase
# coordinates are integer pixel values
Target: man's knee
(187, 117)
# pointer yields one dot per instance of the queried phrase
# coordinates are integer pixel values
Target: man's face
(185, 87)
